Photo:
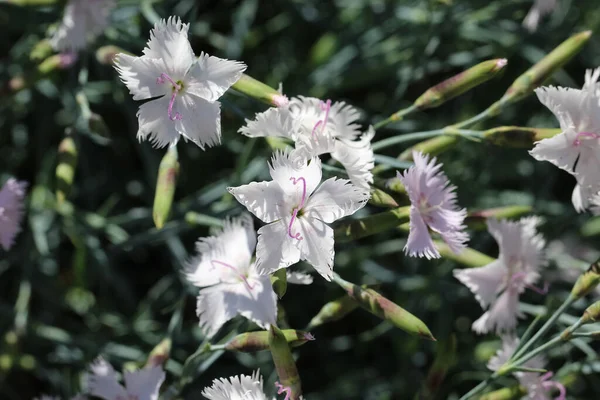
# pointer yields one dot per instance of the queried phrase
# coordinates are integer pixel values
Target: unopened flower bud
(518, 136)
(257, 341)
(165, 187)
(56, 62)
(382, 199)
(372, 224)
(468, 257)
(459, 84)
(476, 219)
(106, 54)
(380, 306)
(284, 362)
(591, 314)
(543, 69)
(259, 91)
(65, 170)
(279, 282)
(159, 354)
(333, 311)
(508, 393)
(587, 281)
(433, 146)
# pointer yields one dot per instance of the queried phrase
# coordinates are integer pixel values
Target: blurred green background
(95, 277)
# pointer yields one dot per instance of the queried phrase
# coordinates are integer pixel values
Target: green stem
(489, 112)
(479, 388)
(424, 135)
(397, 116)
(511, 367)
(545, 327)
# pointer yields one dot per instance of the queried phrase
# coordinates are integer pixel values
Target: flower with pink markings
(577, 148)
(318, 127)
(11, 211)
(499, 284)
(82, 21)
(229, 279)
(142, 384)
(433, 205)
(184, 89)
(297, 208)
(538, 386)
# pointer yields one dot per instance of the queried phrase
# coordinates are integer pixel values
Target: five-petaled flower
(538, 386)
(83, 20)
(318, 127)
(231, 285)
(143, 384)
(433, 205)
(577, 148)
(500, 283)
(11, 211)
(184, 89)
(297, 211)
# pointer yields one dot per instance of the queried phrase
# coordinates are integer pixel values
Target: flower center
(580, 135)
(425, 208)
(243, 277)
(325, 106)
(518, 278)
(298, 209)
(177, 87)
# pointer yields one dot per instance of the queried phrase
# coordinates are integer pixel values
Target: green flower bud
(65, 170)
(517, 136)
(433, 146)
(159, 354)
(509, 393)
(41, 50)
(543, 69)
(279, 282)
(382, 199)
(372, 224)
(476, 219)
(467, 256)
(591, 314)
(284, 362)
(587, 281)
(106, 54)
(165, 187)
(259, 91)
(459, 84)
(380, 306)
(257, 341)
(333, 311)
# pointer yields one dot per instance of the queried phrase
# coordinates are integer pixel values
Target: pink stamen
(309, 336)
(297, 236)
(284, 389)
(235, 271)
(519, 275)
(577, 141)
(325, 106)
(176, 88)
(554, 384)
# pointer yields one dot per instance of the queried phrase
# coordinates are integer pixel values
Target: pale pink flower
(11, 211)
(433, 205)
(297, 208)
(538, 386)
(142, 384)
(499, 284)
(182, 90)
(577, 148)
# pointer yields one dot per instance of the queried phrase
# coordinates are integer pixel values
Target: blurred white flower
(82, 21)
(11, 211)
(240, 387)
(317, 128)
(500, 283)
(142, 384)
(539, 387)
(229, 279)
(46, 397)
(539, 9)
(576, 149)
(297, 210)
(185, 89)
(433, 205)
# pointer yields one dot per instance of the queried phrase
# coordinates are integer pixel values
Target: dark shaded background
(97, 278)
